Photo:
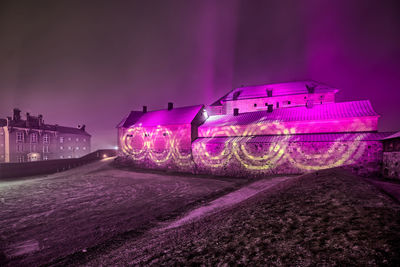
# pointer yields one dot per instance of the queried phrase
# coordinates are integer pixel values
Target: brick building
(30, 139)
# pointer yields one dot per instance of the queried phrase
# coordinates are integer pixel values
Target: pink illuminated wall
(358, 124)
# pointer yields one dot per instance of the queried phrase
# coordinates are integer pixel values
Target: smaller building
(30, 139)
(391, 156)
(161, 138)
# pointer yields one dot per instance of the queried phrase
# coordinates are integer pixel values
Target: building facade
(30, 139)
(286, 128)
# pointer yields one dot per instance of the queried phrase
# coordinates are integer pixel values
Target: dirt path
(226, 201)
(391, 188)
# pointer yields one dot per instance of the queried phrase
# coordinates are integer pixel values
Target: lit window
(45, 157)
(61, 139)
(84, 139)
(69, 148)
(61, 157)
(20, 136)
(84, 148)
(20, 158)
(69, 157)
(77, 139)
(61, 147)
(34, 138)
(77, 148)
(69, 138)
(46, 138)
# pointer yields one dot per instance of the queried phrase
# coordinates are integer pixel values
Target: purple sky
(92, 62)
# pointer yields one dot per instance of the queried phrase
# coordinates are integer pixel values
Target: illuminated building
(32, 140)
(391, 156)
(267, 129)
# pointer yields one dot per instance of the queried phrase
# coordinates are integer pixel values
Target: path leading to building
(226, 201)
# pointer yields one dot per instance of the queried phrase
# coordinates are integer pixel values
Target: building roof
(318, 112)
(326, 137)
(46, 127)
(278, 89)
(395, 135)
(131, 119)
(175, 116)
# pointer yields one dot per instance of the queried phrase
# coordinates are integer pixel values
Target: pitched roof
(130, 119)
(395, 135)
(278, 89)
(48, 127)
(175, 116)
(317, 112)
(328, 137)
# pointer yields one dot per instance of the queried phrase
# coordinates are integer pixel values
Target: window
(69, 157)
(45, 149)
(84, 148)
(77, 148)
(20, 136)
(61, 148)
(286, 102)
(255, 105)
(61, 157)
(69, 148)
(20, 158)
(61, 139)
(46, 138)
(20, 148)
(266, 104)
(69, 138)
(277, 104)
(45, 157)
(84, 139)
(34, 138)
(77, 139)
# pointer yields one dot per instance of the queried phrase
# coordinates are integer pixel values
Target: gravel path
(227, 201)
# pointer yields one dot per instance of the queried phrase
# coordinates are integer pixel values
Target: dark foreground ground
(329, 219)
(49, 218)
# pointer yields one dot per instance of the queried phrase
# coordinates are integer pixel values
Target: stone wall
(391, 164)
(259, 159)
(240, 158)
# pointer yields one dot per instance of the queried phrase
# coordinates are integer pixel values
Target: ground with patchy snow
(331, 218)
(48, 218)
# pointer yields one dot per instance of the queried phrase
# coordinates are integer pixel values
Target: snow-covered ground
(52, 216)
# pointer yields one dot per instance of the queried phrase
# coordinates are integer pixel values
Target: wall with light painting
(240, 157)
(161, 147)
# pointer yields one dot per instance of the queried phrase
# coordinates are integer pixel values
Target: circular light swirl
(127, 140)
(164, 155)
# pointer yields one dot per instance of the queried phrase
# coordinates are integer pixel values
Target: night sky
(91, 62)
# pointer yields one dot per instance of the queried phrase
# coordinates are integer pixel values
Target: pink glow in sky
(79, 63)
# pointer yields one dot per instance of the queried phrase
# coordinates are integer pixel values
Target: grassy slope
(330, 219)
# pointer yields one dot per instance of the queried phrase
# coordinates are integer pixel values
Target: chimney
(170, 105)
(310, 88)
(28, 119)
(270, 108)
(269, 92)
(235, 111)
(16, 114)
(83, 127)
(144, 109)
(40, 120)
